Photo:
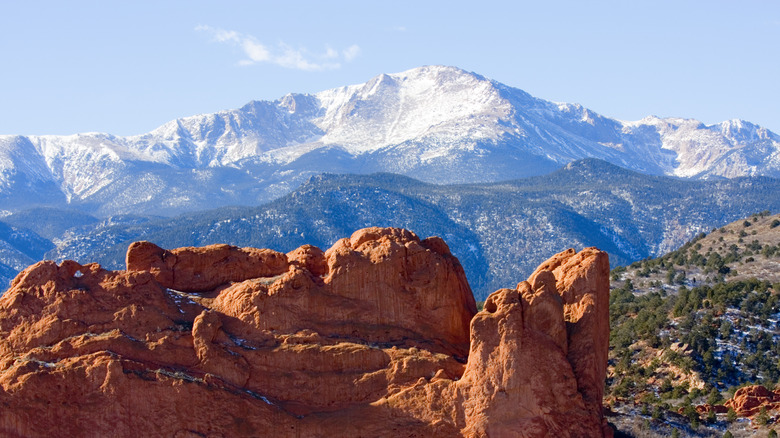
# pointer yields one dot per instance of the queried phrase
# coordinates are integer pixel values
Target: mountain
(499, 231)
(437, 124)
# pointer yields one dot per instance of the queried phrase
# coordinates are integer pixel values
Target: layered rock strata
(377, 336)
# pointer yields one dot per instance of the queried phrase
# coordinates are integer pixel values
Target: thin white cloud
(255, 51)
(331, 53)
(282, 55)
(351, 52)
(296, 59)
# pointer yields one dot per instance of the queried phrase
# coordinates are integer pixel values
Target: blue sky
(128, 67)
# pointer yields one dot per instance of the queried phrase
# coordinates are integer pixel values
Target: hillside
(498, 231)
(690, 327)
(738, 251)
(434, 123)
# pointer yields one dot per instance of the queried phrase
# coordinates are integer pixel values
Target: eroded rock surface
(377, 336)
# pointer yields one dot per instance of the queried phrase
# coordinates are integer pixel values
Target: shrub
(658, 413)
(762, 418)
(714, 396)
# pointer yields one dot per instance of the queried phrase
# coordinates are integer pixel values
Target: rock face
(377, 336)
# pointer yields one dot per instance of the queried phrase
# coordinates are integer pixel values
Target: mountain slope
(19, 248)
(498, 230)
(49, 223)
(438, 124)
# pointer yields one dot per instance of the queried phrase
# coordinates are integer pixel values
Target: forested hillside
(692, 326)
(500, 231)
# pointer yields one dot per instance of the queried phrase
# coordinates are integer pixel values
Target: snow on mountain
(446, 105)
(729, 149)
(438, 124)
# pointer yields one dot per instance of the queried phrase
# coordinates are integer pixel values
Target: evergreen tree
(763, 417)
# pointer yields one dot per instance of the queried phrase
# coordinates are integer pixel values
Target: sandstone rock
(377, 336)
(706, 409)
(581, 279)
(201, 269)
(310, 258)
(748, 401)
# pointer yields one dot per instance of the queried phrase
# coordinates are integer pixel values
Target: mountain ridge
(587, 203)
(440, 124)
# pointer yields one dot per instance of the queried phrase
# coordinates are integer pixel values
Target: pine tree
(763, 418)
(731, 416)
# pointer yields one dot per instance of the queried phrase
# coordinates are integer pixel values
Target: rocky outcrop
(377, 336)
(748, 401)
(198, 269)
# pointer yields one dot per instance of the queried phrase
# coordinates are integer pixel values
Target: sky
(127, 67)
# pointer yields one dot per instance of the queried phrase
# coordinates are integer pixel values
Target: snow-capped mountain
(438, 124)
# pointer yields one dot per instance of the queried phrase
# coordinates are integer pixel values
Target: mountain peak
(434, 70)
(432, 101)
(744, 131)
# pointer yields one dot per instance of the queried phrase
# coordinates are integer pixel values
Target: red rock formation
(581, 279)
(377, 336)
(198, 269)
(706, 409)
(749, 400)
